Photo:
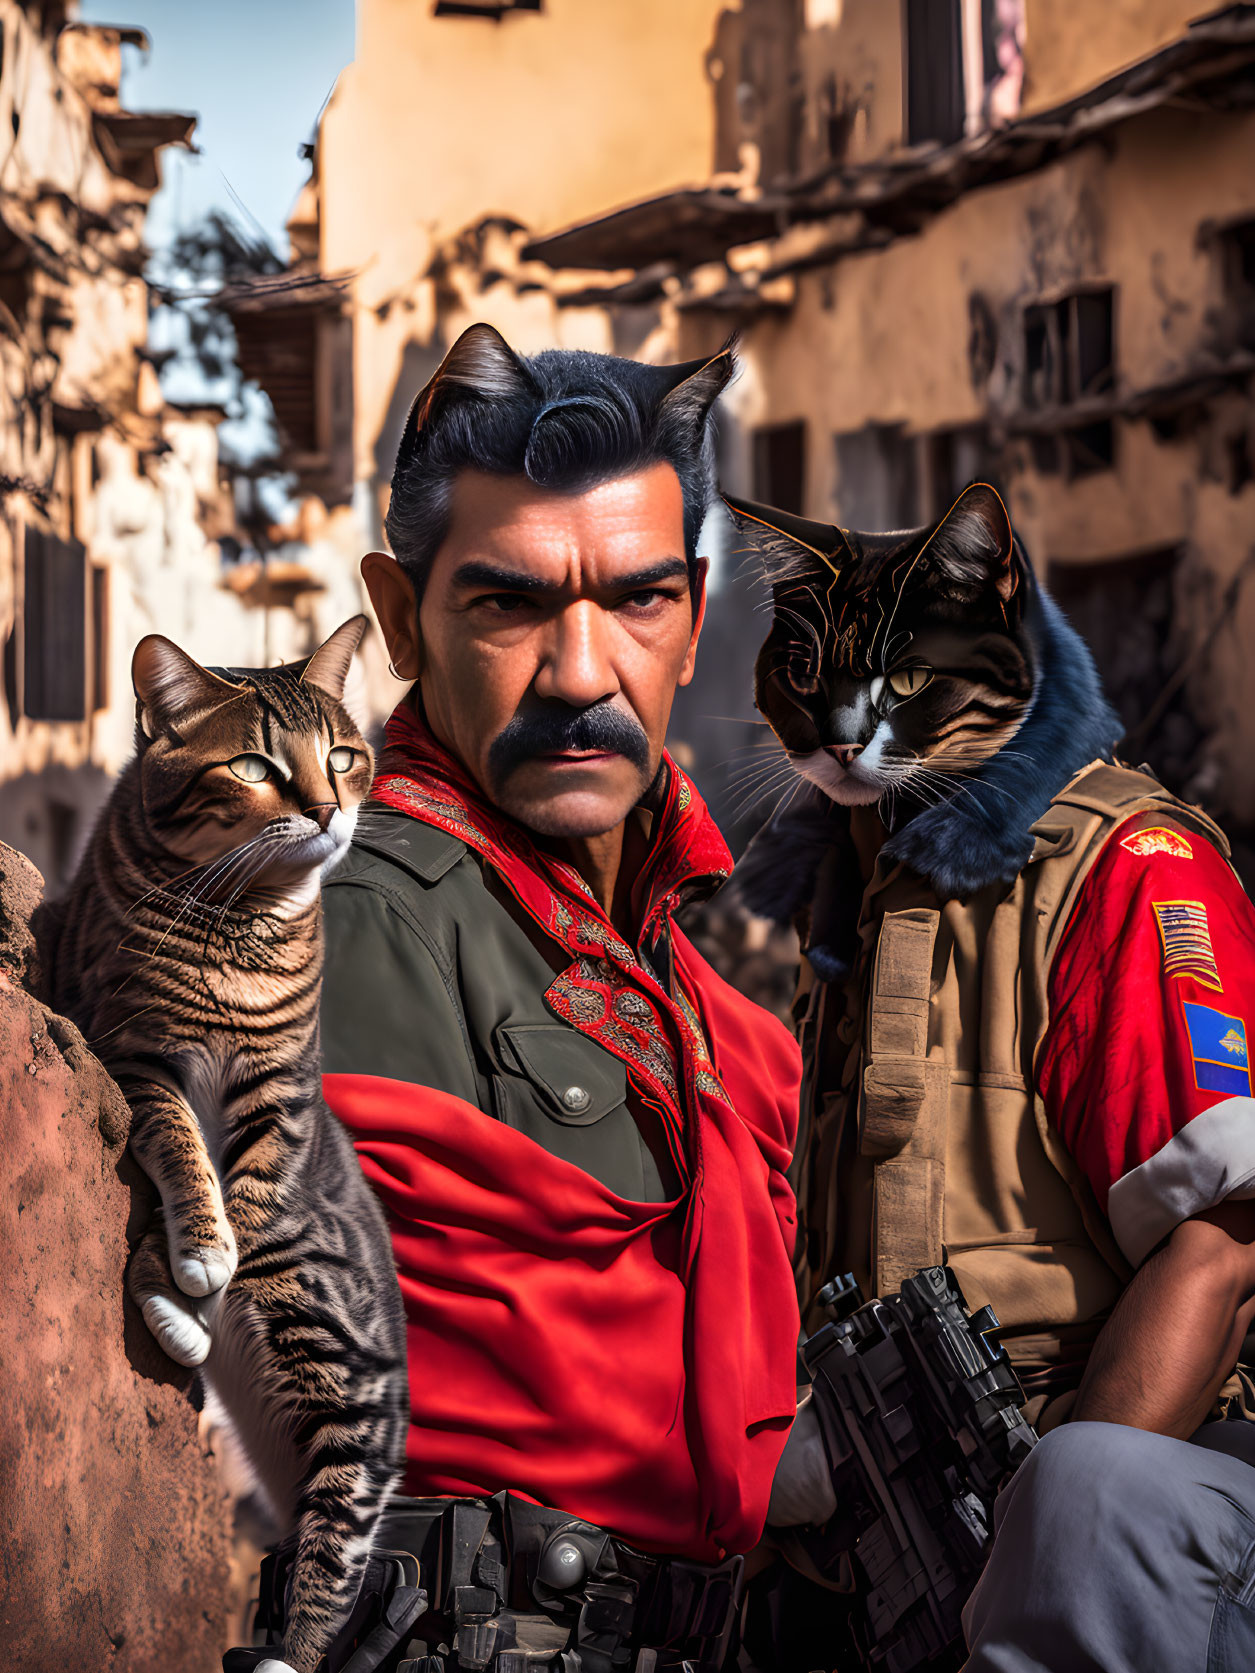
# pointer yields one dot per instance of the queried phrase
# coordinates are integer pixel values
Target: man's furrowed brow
(503, 580)
(500, 579)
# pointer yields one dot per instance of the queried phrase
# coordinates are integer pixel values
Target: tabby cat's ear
(973, 547)
(787, 544)
(694, 388)
(480, 363)
(168, 682)
(328, 668)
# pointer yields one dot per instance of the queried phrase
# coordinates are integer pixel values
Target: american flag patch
(1187, 949)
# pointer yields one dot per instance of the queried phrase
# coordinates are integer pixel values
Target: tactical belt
(501, 1584)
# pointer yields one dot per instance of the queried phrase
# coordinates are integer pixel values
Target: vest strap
(903, 1117)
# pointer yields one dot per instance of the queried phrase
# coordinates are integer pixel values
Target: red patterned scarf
(606, 992)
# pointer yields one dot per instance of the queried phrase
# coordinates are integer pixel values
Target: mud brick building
(111, 499)
(1009, 238)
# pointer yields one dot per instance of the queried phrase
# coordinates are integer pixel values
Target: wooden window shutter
(54, 628)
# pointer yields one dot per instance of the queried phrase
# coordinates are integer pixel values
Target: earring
(392, 670)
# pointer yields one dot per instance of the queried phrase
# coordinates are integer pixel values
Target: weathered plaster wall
(884, 338)
(860, 59)
(1066, 51)
(441, 122)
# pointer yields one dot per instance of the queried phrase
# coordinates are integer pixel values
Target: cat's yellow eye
(905, 682)
(802, 680)
(251, 768)
(341, 758)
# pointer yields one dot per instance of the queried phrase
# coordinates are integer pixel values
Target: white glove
(802, 1491)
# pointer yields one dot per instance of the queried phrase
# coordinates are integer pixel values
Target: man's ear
(169, 683)
(480, 364)
(698, 589)
(396, 609)
(972, 549)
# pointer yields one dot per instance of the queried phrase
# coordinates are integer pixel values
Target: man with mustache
(578, 1131)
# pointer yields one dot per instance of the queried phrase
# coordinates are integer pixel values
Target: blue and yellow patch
(1218, 1044)
(1186, 940)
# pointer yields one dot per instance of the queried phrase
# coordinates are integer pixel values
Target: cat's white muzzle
(854, 786)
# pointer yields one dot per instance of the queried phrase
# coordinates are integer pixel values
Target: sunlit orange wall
(1070, 47)
(544, 117)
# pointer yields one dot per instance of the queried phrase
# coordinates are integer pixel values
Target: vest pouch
(894, 1090)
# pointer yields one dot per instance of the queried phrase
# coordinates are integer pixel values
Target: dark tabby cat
(189, 952)
(924, 671)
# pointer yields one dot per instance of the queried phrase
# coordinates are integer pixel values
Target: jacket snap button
(576, 1099)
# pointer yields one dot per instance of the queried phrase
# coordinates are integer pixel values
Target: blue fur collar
(981, 834)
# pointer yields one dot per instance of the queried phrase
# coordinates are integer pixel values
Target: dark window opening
(1069, 357)
(10, 680)
(878, 478)
(1094, 342)
(1040, 356)
(952, 460)
(1089, 448)
(100, 637)
(1069, 348)
(15, 286)
(54, 628)
(62, 830)
(780, 465)
(936, 103)
(1236, 244)
(1123, 608)
(1239, 466)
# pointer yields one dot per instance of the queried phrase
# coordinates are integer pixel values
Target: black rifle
(919, 1412)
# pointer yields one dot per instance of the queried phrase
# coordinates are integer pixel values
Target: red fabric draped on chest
(632, 1363)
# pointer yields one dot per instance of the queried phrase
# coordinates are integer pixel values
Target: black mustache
(557, 727)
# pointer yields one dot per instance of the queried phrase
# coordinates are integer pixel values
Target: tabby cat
(189, 952)
(923, 671)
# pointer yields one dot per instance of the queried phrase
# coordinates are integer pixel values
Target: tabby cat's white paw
(178, 1334)
(272, 1666)
(202, 1271)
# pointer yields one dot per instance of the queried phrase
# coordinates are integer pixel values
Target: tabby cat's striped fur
(189, 952)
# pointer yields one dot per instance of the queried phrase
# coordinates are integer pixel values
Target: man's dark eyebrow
(504, 580)
(666, 569)
(475, 574)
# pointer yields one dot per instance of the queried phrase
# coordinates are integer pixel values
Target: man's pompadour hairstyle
(565, 419)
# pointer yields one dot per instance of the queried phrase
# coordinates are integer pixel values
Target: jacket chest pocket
(551, 1073)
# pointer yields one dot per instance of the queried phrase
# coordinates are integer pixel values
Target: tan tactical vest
(928, 1139)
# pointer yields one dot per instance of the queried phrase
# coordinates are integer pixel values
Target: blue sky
(257, 73)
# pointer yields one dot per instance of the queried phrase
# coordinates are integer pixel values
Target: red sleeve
(1145, 1069)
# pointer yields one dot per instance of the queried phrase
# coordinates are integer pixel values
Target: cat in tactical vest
(960, 756)
(902, 669)
(189, 952)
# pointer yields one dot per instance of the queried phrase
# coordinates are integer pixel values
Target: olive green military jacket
(430, 978)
